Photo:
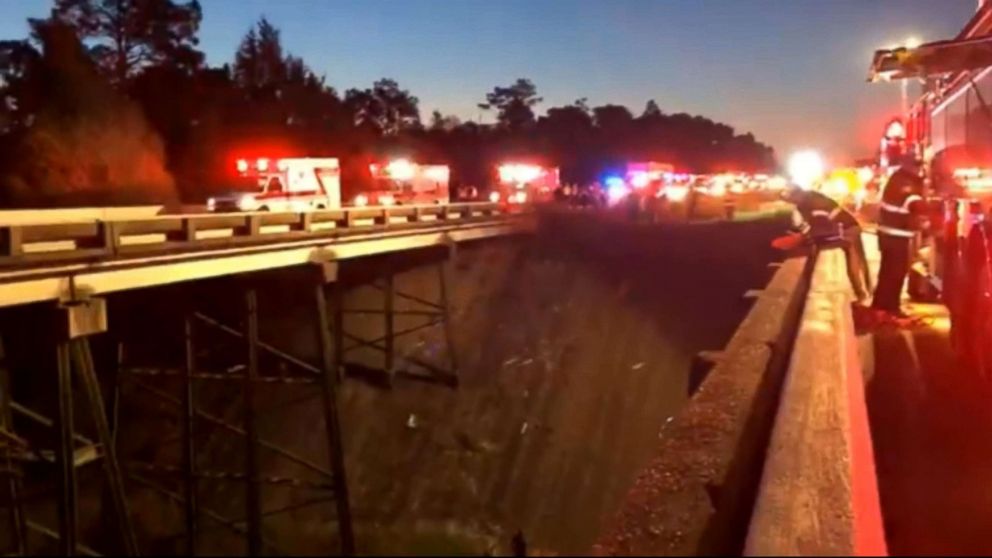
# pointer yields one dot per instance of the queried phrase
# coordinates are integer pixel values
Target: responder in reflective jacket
(901, 205)
(824, 222)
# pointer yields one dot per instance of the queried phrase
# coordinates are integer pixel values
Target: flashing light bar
(513, 172)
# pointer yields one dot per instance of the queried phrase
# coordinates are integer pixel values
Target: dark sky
(791, 71)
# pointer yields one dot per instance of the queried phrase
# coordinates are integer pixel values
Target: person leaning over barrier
(818, 219)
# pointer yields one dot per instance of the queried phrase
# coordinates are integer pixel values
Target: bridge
(213, 384)
(54, 278)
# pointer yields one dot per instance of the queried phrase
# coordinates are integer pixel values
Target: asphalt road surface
(931, 421)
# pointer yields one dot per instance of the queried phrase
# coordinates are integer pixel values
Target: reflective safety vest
(902, 194)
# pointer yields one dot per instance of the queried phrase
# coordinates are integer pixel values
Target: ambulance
(520, 183)
(301, 184)
(403, 182)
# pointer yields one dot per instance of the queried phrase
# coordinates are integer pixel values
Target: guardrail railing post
(306, 221)
(11, 241)
(252, 225)
(109, 236)
(383, 218)
(189, 230)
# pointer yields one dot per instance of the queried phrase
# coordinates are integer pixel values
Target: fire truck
(403, 182)
(264, 184)
(521, 183)
(653, 179)
(950, 128)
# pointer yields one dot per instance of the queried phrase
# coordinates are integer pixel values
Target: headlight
(247, 203)
(494, 197)
(211, 204)
(519, 197)
(676, 193)
(386, 200)
(361, 200)
(616, 191)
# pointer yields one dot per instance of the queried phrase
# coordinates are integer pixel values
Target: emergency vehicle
(302, 184)
(519, 183)
(950, 129)
(403, 182)
(653, 179)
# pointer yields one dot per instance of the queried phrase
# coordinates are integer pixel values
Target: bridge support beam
(224, 359)
(65, 331)
(11, 447)
(429, 313)
(330, 375)
(253, 505)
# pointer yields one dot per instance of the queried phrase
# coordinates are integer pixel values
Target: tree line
(110, 101)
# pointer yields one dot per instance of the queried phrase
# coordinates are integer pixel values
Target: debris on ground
(468, 443)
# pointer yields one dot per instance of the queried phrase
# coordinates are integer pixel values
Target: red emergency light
(262, 165)
(895, 130)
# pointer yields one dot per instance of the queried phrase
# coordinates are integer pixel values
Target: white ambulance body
(289, 184)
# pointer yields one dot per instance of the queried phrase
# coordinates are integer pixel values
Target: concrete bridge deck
(53, 261)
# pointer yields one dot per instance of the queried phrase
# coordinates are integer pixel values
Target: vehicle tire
(263, 208)
(320, 207)
(975, 313)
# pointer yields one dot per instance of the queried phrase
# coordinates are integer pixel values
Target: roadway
(931, 424)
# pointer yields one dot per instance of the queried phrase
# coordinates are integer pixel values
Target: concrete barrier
(77, 215)
(819, 494)
(696, 497)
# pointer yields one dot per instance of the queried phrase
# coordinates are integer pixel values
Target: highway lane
(931, 423)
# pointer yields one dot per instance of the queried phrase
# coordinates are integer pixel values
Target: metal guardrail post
(11, 241)
(189, 230)
(109, 237)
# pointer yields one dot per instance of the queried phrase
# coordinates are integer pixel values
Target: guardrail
(72, 261)
(77, 214)
(696, 497)
(26, 244)
(819, 493)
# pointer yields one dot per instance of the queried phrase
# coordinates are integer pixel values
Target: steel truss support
(433, 313)
(11, 474)
(249, 374)
(67, 336)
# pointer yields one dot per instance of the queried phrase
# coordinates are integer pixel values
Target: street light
(806, 168)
